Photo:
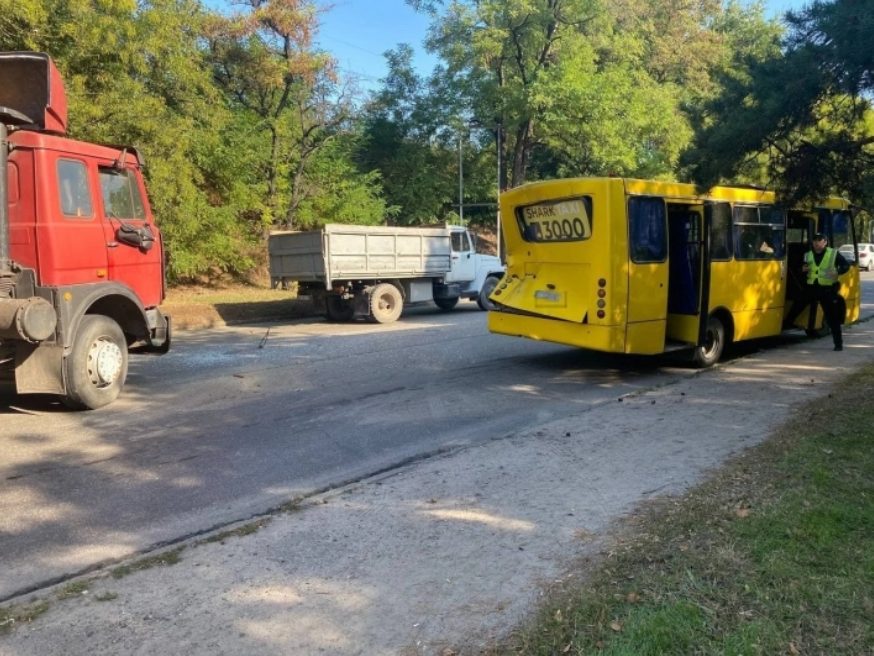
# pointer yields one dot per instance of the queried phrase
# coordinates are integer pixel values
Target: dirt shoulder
(192, 308)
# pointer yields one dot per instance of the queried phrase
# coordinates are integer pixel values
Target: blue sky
(358, 32)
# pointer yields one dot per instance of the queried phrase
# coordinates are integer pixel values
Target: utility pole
(460, 182)
(498, 141)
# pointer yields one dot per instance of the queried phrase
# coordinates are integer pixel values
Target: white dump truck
(373, 271)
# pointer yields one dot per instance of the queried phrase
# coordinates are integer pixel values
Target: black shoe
(839, 347)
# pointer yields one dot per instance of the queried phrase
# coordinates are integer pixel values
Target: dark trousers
(833, 308)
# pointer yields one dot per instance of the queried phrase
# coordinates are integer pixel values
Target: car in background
(866, 255)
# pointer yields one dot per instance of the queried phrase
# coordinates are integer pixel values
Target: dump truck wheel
(446, 304)
(96, 368)
(338, 309)
(386, 303)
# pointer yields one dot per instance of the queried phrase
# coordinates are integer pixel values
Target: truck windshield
(121, 194)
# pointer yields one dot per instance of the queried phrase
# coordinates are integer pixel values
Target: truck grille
(6, 286)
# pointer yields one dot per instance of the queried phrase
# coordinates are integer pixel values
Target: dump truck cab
(81, 258)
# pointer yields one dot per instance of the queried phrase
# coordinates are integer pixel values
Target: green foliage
(585, 87)
(399, 133)
(246, 126)
(805, 110)
(611, 119)
(340, 194)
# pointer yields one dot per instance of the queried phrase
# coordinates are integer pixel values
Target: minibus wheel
(708, 354)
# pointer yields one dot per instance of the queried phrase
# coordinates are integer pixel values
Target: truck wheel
(386, 303)
(488, 287)
(709, 353)
(338, 308)
(96, 368)
(446, 304)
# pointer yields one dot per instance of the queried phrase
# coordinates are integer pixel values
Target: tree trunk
(521, 150)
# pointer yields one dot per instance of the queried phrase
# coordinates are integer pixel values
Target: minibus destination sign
(564, 220)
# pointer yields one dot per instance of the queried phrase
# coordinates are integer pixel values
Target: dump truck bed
(349, 252)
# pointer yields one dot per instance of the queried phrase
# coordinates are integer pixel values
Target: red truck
(81, 259)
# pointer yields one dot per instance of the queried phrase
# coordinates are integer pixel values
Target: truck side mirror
(142, 238)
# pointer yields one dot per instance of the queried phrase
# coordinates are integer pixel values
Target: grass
(74, 589)
(775, 555)
(164, 559)
(229, 294)
(12, 616)
(242, 531)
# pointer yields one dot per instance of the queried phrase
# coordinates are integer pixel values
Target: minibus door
(647, 275)
(685, 254)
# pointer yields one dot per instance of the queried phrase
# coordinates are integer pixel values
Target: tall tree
(497, 54)
(402, 139)
(805, 111)
(582, 87)
(265, 60)
(134, 74)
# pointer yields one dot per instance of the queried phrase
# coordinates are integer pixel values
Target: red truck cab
(81, 259)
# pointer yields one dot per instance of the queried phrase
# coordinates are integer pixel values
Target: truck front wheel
(96, 368)
(386, 303)
(488, 287)
(446, 303)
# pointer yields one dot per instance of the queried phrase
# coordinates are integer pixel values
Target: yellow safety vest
(825, 273)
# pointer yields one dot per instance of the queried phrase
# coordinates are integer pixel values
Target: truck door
(462, 262)
(647, 275)
(134, 251)
(71, 243)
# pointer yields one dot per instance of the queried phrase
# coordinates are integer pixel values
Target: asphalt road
(237, 421)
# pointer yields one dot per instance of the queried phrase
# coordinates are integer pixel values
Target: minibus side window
(841, 228)
(759, 232)
(647, 229)
(720, 230)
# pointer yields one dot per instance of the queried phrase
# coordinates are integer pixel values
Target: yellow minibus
(646, 267)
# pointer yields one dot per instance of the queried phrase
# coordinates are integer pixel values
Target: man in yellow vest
(823, 265)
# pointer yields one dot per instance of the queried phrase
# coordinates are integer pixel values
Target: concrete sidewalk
(452, 552)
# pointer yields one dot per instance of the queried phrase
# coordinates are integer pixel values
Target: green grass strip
(775, 555)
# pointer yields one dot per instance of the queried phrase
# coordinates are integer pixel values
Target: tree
(135, 75)
(805, 111)
(340, 193)
(404, 138)
(586, 87)
(497, 54)
(266, 63)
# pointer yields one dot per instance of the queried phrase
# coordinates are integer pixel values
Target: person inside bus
(766, 248)
(822, 265)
